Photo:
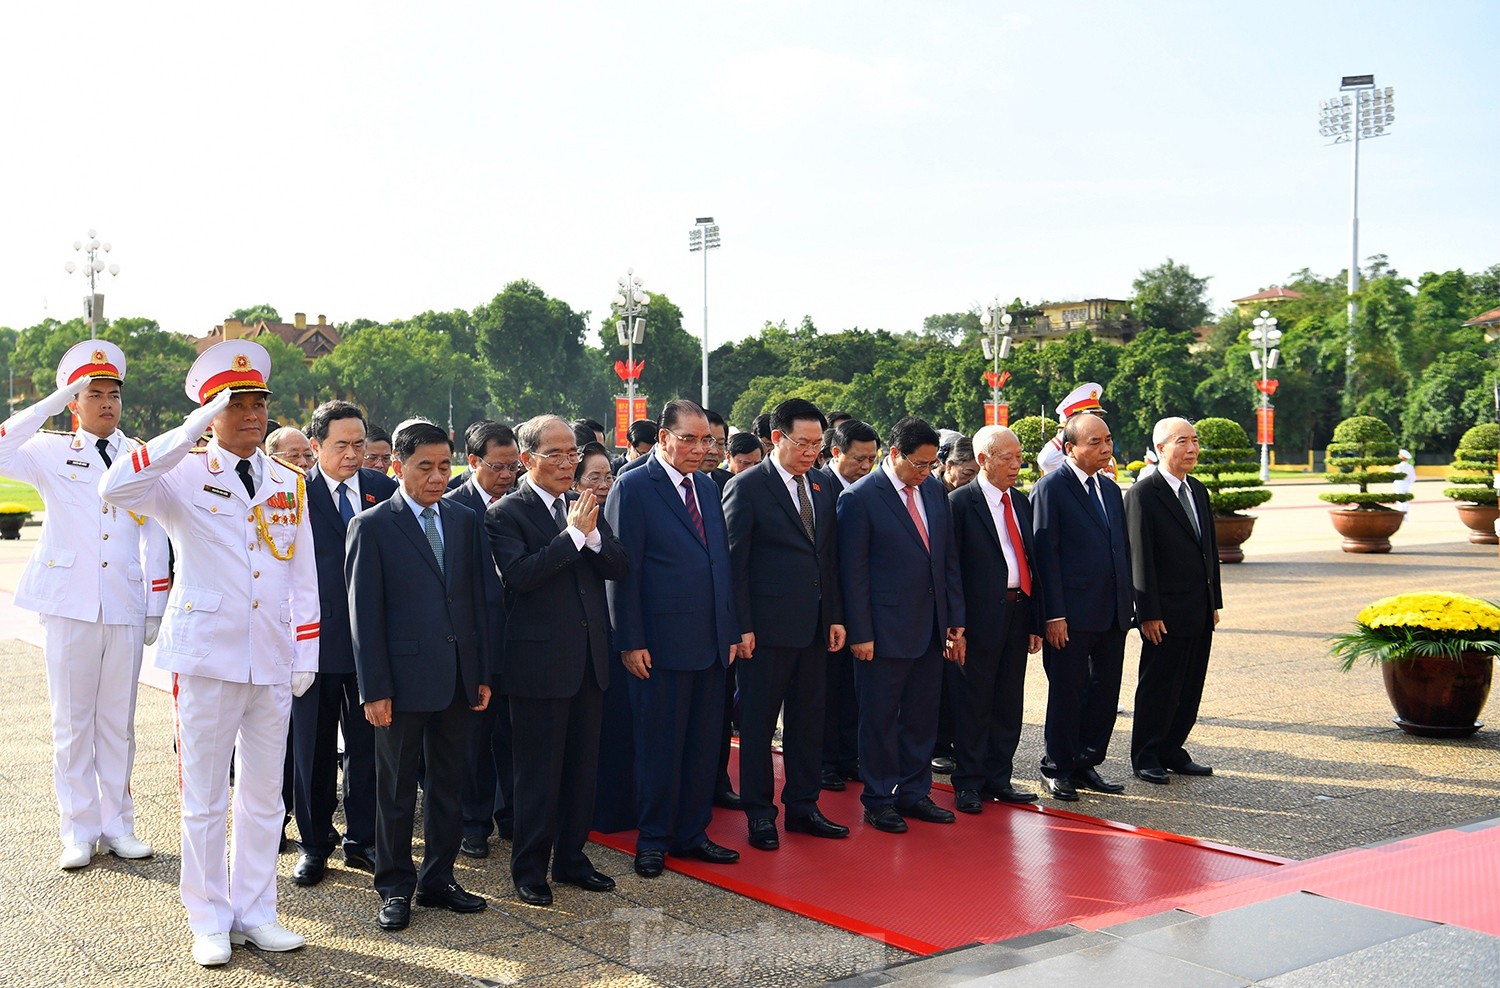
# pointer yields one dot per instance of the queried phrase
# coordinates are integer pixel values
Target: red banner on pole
(997, 414)
(624, 415)
(1265, 426)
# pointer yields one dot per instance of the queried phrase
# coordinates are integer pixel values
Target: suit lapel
(897, 504)
(980, 505)
(781, 495)
(1091, 505)
(540, 513)
(411, 526)
(664, 487)
(1164, 492)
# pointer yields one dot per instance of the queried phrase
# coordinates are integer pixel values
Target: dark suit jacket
(335, 647)
(639, 461)
(1075, 552)
(787, 585)
(721, 477)
(677, 598)
(494, 591)
(1176, 576)
(982, 563)
(894, 589)
(558, 617)
(409, 621)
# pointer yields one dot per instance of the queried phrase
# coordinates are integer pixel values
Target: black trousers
(443, 736)
(1083, 697)
(840, 714)
(490, 783)
(614, 793)
(987, 693)
(722, 782)
(557, 759)
(898, 710)
(677, 716)
(330, 703)
(1167, 697)
(796, 677)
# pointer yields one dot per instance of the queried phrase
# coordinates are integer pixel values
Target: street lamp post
(704, 237)
(629, 305)
(996, 342)
(1263, 338)
(1362, 112)
(94, 266)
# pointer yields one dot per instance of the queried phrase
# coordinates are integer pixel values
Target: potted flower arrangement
(1436, 653)
(1034, 431)
(1363, 452)
(1227, 467)
(12, 517)
(1473, 471)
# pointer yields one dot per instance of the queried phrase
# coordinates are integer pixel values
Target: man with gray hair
(992, 527)
(1175, 572)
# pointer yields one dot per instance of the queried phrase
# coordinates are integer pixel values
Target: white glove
(57, 401)
(197, 421)
(302, 682)
(153, 627)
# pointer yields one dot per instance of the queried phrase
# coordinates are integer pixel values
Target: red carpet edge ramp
(1008, 871)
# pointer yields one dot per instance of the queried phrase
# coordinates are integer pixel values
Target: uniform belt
(1014, 594)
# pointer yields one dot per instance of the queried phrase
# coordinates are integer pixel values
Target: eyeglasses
(560, 456)
(378, 458)
(921, 466)
(502, 467)
(801, 445)
(707, 442)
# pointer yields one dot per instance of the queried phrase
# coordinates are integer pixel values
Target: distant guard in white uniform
(98, 579)
(1084, 398)
(240, 637)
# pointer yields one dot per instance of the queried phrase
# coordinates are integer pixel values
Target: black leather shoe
(359, 857)
(310, 868)
(648, 863)
(1089, 778)
(1190, 767)
(1060, 789)
(849, 774)
(815, 824)
(1007, 794)
(832, 782)
(395, 913)
(926, 809)
(887, 819)
(943, 765)
(1156, 776)
(474, 847)
(594, 881)
(506, 831)
(763, 835)
(535, 895)
(451, 897)
(729, 800)
(966, 800)
(710, 852)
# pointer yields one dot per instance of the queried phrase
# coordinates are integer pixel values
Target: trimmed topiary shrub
(1362, 453)
(1473, 466)
(1228, 467)
(1034, 431)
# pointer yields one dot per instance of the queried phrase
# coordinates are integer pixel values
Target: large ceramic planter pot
(1438, 697)
(10, 526)
(1366, 529)
(1480, 518)
(1231, 531)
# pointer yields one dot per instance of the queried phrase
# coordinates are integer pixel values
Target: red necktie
(1023, 571)
(916, 516)
(692, 509)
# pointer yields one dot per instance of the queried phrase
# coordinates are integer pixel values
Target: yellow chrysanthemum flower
(1432, 609)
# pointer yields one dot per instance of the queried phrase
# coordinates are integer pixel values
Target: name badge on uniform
(78, 463)
(216, 490)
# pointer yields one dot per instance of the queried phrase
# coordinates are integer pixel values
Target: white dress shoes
(126, 846)
(211, 949)
(78, 854)
(269, 936)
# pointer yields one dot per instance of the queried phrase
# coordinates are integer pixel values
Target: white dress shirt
(1083, 478)
(900, 486)
(677, 477)
(790, 480)
(997, 513)
(416, 513)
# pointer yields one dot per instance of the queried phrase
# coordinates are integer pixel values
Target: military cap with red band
(239, 365)
(97, 360)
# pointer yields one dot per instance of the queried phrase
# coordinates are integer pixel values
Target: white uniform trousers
(92, 669)
(217, 720)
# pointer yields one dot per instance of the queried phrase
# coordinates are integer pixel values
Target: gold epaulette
(199, 449)
(286, 463)
(54, 432)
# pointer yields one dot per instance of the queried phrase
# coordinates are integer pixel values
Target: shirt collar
(333, 485)
(991, 492)
(1173, 482)
(673, 473)
(1083, 478)
(416, 509)
(787, 477)
(890, 473)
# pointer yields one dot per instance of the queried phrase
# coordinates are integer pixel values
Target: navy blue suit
(333, 700)
(489, 781)
(903, 597)
(676, 601)
(1084, 564)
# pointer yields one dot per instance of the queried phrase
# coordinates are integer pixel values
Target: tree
(765, 393)
(252, 314)
(297, 388)
(952, 327)
(1169, 296)
(531, 348)
(1154, 380)
(674, 358)
(157, 363)
(1451, 395)
(398, 373)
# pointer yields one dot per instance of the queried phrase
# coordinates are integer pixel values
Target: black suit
(789, 586)
(420, 640)
(988, 689)
(1176, 577)
(332, 702)
(1084, 562)
(489, 779)
(840, 706)
(555, 671)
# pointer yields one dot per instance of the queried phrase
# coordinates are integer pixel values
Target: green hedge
(1361, 446)
(1034, 431)
(1228, 467)
(1473, 466)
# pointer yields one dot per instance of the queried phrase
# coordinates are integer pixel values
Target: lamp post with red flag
(996, 342)
(1264, 356)
(629, 306)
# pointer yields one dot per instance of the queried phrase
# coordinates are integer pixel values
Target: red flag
(1269, 387)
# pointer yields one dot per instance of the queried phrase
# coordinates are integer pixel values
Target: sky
(868, 163)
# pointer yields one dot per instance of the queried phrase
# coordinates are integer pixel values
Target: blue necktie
(429, 526)
(1094, 497)
(346, 510)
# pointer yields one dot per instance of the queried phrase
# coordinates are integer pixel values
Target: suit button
(106, 509)
(452, 639)
(248, 517)
(584, 622)
(256, 574)
(106, 536)
(929, 591)
(187, 607)
(104, 565)
(254, 604)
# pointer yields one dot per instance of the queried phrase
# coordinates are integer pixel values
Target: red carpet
(1008, 871)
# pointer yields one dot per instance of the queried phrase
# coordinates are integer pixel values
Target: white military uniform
(242, 618)
(95, 576)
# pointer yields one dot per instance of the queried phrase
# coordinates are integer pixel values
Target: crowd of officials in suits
(556, 642)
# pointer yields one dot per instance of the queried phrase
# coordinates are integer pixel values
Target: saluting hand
(583, 514)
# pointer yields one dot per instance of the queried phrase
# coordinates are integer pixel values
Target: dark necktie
(1094, 497)
(346, 509)
(429, 528)
(243, 469)
(103, 445)
(559, 514)
(1023, 571)
(804, 507)
(1187, 505)
(692, 509)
